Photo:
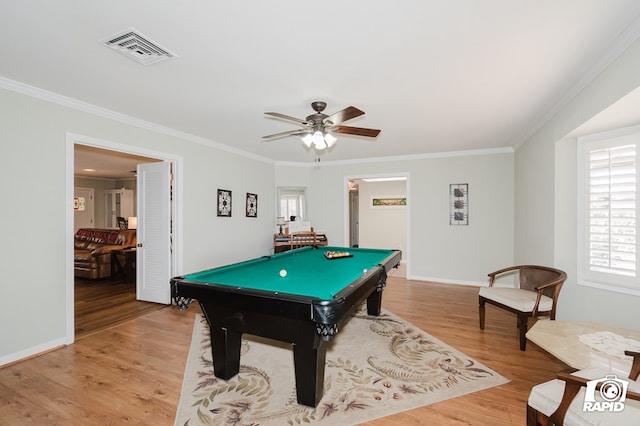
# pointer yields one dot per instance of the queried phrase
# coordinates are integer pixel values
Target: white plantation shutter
(612, 210)
(608, 238)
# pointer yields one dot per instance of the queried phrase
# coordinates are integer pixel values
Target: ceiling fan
(318, 127)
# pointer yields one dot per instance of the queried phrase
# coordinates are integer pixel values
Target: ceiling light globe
(318, 140)
(307, 139)
(330, 140)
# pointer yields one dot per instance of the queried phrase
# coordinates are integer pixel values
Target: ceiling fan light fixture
(319, 140)
(316, 128)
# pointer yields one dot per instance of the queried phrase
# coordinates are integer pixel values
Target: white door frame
(71, 140)
(406, 257)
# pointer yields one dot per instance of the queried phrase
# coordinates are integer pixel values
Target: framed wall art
(78, 204)
(459, 204)
(252, 205)
(388, 201)
(224, 203)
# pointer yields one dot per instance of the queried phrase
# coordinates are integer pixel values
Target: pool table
(301, 297)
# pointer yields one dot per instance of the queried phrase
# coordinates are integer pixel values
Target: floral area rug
(376, 366)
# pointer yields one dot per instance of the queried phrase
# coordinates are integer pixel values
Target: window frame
(296, 194)
(586, 277)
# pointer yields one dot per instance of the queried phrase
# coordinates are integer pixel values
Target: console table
(126, 269)
(562, 340)
(282, 242)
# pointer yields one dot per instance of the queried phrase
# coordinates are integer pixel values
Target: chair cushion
(522, 300)
(546, 398)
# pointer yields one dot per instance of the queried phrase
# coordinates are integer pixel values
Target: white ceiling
(105, 164)
(435, 76)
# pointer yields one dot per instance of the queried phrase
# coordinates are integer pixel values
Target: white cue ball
(364, 271)
(283, 273)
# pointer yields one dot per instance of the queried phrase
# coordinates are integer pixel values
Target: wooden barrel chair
(536, 294)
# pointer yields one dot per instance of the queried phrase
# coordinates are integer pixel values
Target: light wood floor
(131, 373)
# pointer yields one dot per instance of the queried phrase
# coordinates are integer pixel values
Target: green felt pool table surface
(308, 271)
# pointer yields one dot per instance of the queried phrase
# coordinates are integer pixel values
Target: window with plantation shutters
(608, 245)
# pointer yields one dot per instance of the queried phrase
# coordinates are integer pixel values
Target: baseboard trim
(33, 351)
(448, 281)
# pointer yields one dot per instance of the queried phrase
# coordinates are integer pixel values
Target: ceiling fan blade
(346, 114)
(358, 131)
(286, 117)
(296, 132)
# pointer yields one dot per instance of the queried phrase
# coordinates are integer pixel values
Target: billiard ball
(283, 273)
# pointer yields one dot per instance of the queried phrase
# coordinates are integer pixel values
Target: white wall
(382, 227)
(546, 189)
(33, 146)
(436, 250)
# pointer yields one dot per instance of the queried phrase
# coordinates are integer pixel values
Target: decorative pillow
(102, 236)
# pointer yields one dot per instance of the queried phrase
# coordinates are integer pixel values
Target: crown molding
(412, 157)
(66, 101)
(622, 42)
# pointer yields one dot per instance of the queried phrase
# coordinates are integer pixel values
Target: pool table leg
(225, 347)
(374, 303)
(309, 370)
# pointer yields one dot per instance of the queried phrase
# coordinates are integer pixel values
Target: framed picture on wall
(252, 205)
(387, 201)
(224, 203)
(459, 204)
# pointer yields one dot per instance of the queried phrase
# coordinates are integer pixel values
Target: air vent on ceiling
(135, 46)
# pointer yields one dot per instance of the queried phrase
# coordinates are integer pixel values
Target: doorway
(89, 307)
(377, 212)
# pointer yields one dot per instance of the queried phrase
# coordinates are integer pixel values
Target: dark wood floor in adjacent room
(131, 371)
(104, 303)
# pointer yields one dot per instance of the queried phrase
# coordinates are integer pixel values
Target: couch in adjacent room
(93, 247)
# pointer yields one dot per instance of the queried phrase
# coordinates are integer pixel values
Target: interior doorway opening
(109, 176)
(109, 300)
(377, 213)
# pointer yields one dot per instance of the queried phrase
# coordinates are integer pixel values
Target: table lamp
(132, 222)
(281, 222)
